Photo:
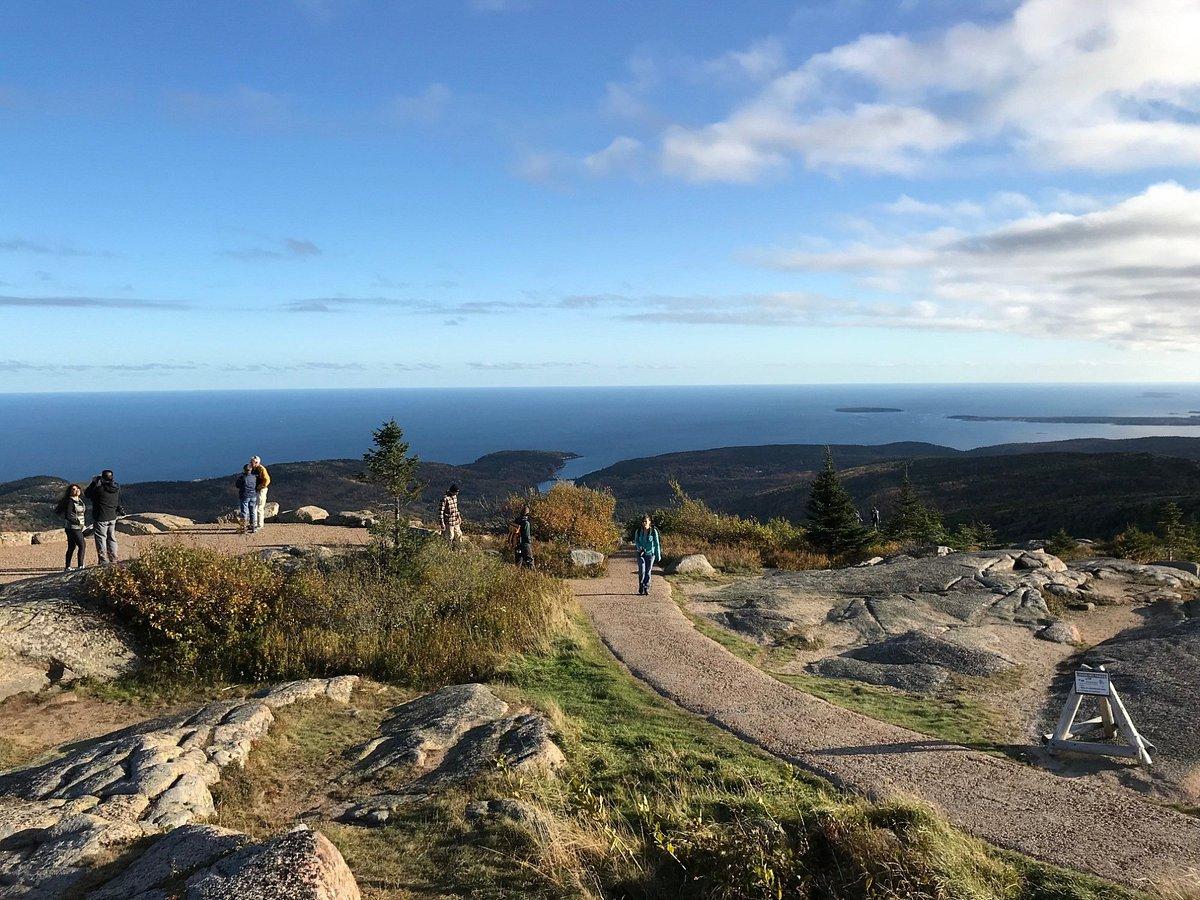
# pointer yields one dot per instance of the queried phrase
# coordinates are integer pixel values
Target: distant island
(1193, 419)
(868, 409)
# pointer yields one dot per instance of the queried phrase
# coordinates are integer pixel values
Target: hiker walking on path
(72, 508)
(105, 496)
(649, 551)
(262, 479)
(451, 517)
(524, 539)
(247, 486)
(876, 519)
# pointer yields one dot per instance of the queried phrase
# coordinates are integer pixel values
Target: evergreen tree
(912, 520)
(390, 466)
(1178, 538)
(834, 525)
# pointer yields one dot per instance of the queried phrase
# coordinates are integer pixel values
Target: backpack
(513, 541)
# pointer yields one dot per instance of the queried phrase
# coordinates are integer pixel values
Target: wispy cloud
(289, 248)
(498, 6)
(241, 107)
(90, 303)
(423, 108)
(43, 248)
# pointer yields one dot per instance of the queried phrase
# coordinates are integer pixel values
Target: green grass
(954, 715)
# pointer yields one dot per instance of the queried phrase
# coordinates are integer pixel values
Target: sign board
(1092, 684)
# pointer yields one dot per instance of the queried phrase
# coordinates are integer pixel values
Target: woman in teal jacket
(649, 551)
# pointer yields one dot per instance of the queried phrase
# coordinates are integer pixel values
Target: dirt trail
(1078, 823)
(31, 560)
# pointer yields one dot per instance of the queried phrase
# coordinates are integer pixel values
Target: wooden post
(1114, 719)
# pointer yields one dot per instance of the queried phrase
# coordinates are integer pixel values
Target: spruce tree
(912, 520)
(834, 526)
(1178, 539)
(390, 466)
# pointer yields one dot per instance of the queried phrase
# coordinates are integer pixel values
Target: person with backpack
(520, 539)
(247, 487)
(649, 551)
(105, 495)
(72, 509)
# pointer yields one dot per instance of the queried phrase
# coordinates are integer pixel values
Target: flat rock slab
(446, 737)
(48, 625)
(1125, 837)
(202, 862)
(57, 817)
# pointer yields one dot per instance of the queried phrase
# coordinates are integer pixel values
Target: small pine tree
(1178, 538)
(1061, 543)
(834, 525)
(912, 520)
(390, 466)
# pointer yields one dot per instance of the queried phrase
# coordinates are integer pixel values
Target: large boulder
(692, 564)
(50, 536)
(63, 816)
(304, 515)
(211, 863)
(584, 559)
(361, 518)
(270, 510)
(50, 631)
(1192, 568)
(161, 521)
(15, 538)
(446, 738)
(1060, 632)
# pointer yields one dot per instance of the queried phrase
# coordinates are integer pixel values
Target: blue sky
(341, 193)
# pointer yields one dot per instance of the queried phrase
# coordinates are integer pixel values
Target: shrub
(438, 615)
(1062, 545)
(731, 543)
(573, 516)
(192, 606)
(1135, 544)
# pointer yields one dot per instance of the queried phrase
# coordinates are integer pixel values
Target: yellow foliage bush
(574, 516)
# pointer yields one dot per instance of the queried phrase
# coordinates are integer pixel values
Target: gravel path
(1077, 823)
(28, 560)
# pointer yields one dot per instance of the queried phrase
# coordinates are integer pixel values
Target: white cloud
(1103, 85)
(1127, 274)
(624, 154)
(760, 60)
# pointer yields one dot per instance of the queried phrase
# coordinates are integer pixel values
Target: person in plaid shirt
(451, 517)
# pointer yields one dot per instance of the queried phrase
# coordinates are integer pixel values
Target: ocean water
(200, 434)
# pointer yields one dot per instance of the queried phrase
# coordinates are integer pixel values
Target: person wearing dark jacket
(72, 509)
(247, 486)
(105, 496)
(524, 550)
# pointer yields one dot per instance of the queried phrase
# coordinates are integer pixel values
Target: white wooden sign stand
(1113, 719)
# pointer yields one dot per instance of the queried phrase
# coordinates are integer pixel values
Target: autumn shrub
(439, 614)
(193, 607)
(1135, 544)
(573, 516)
(732, 544)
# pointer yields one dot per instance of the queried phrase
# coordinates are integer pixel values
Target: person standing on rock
(105, 496)
(649, 551)
(262, 479)
(72, 508)
(451, 517)
(247, 487)
(876, 518)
